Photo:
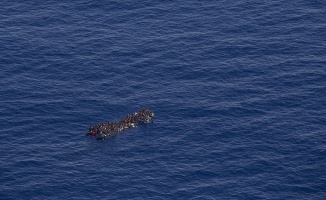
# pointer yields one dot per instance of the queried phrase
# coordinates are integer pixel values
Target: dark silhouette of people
(108, 129)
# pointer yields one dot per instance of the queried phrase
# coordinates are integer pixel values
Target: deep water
(238, 89)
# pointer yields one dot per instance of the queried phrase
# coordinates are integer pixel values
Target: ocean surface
(238, 89)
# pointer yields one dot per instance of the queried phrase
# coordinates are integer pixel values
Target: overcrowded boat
(108, 129)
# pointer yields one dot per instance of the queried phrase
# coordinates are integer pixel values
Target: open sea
(238, 89)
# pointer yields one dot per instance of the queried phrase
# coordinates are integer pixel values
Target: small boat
(108, 129)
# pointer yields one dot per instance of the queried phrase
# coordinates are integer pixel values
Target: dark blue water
(238, 89)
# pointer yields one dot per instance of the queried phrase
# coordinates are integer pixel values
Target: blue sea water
(238, 89)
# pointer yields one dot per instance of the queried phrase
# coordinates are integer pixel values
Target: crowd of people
(105, 130)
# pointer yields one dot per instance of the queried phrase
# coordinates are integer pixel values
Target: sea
(238, 89)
